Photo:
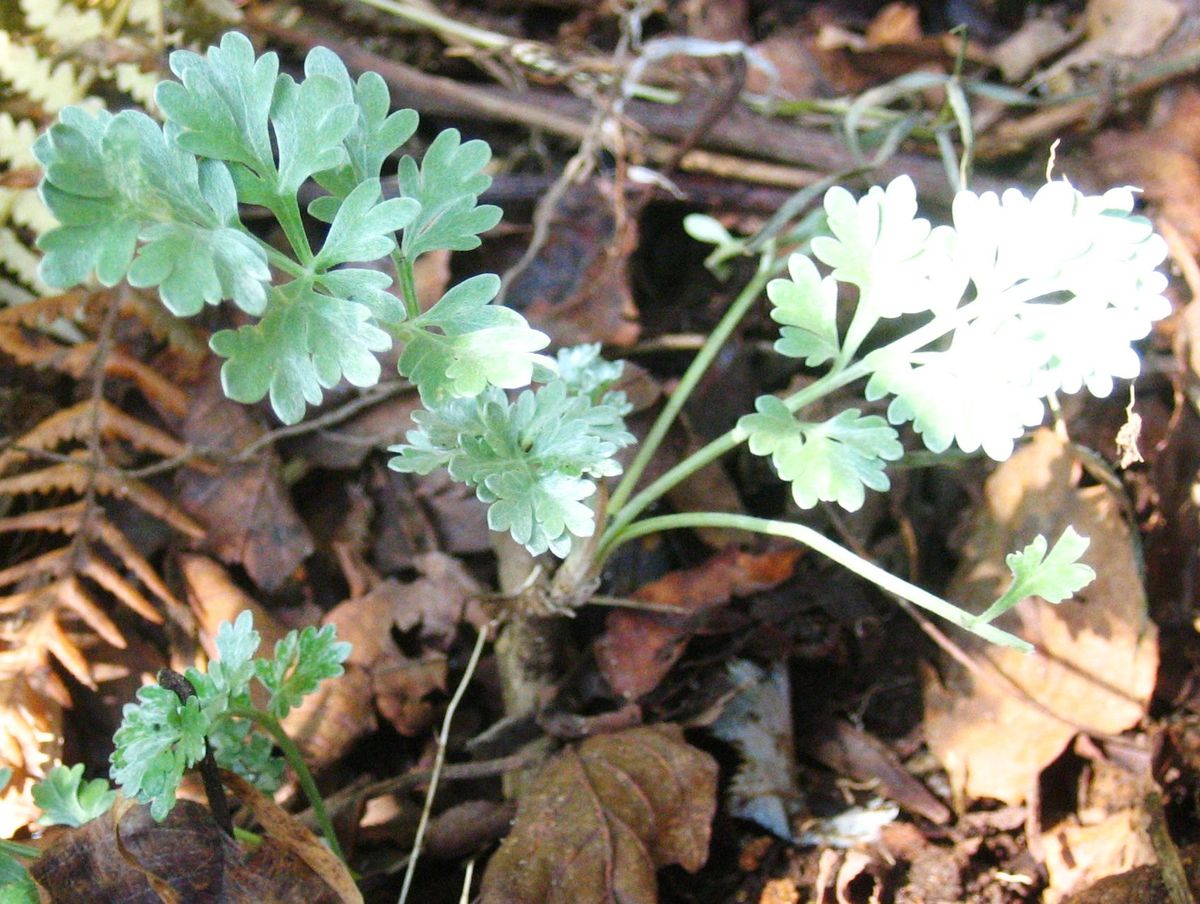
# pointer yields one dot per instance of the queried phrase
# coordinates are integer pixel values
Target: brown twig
(743, 144)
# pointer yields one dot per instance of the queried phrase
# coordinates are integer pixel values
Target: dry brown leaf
(1077, 856)
(600, 818)
(590, 300)
(215, 598)
(1025, 49)
(186, 855)
(1097, 656)
(76, 477)
(1128, 28)
(249, 514)
(296, 838)
(1164, 161)
(31, 736)
(780, 891)
(1143, 885)
(77, 422)
(896, 23)
(380, 677)
(638, 648)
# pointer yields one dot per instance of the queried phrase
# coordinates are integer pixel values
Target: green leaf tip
(533, 461)
(67, 800)
(834, 461)
(116, 181)
(1054, 576)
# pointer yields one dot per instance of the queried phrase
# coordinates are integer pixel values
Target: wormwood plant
(966, 329)
(1019, 299)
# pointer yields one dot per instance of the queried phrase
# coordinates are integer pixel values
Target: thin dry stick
(440, 758)
(465, 897)
(1174, 876)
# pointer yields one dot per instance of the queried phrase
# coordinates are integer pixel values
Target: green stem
(291, 753)
(689, 381)
(832, 550)
(407, 281)
(287, 212)
(613, 533)
(279, 260)
(16, 849)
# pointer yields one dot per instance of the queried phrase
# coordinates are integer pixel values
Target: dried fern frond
(30, 732)
(77, 477)
(77, 422)
(33, 335)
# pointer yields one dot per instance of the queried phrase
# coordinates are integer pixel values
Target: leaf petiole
(883, 579)
(688, 382)
(407, 283)
(295, 758)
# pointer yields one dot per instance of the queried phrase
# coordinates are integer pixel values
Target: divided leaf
(1054, 576)
(304, 343)
(462, 344)
(67, 800)
(113, 181)
(836, 461)
(159, 739)
(533, 461)
(310, 119)
(447, 185)
(363, 225)
(303, 659)
(806, 306)
(221, 106)
(601, 817)
(585, 372)
(376, 133)
(978, 393)
(879, 245)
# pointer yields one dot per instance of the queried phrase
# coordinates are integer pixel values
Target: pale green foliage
(1021, 298)
(447, 184)
(302, 661)
(834, 461)
(462, 344)
(1054, 575)
(67, 800)
(160, 207)
(585, 372)
(806, 308)
(113, 181)
(534, 460)
(16, 885)
(161, 738)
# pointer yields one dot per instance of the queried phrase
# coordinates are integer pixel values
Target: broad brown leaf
(1097, 654)
(250, 517)
(590, 299)
(638, 648)
(598, 819)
